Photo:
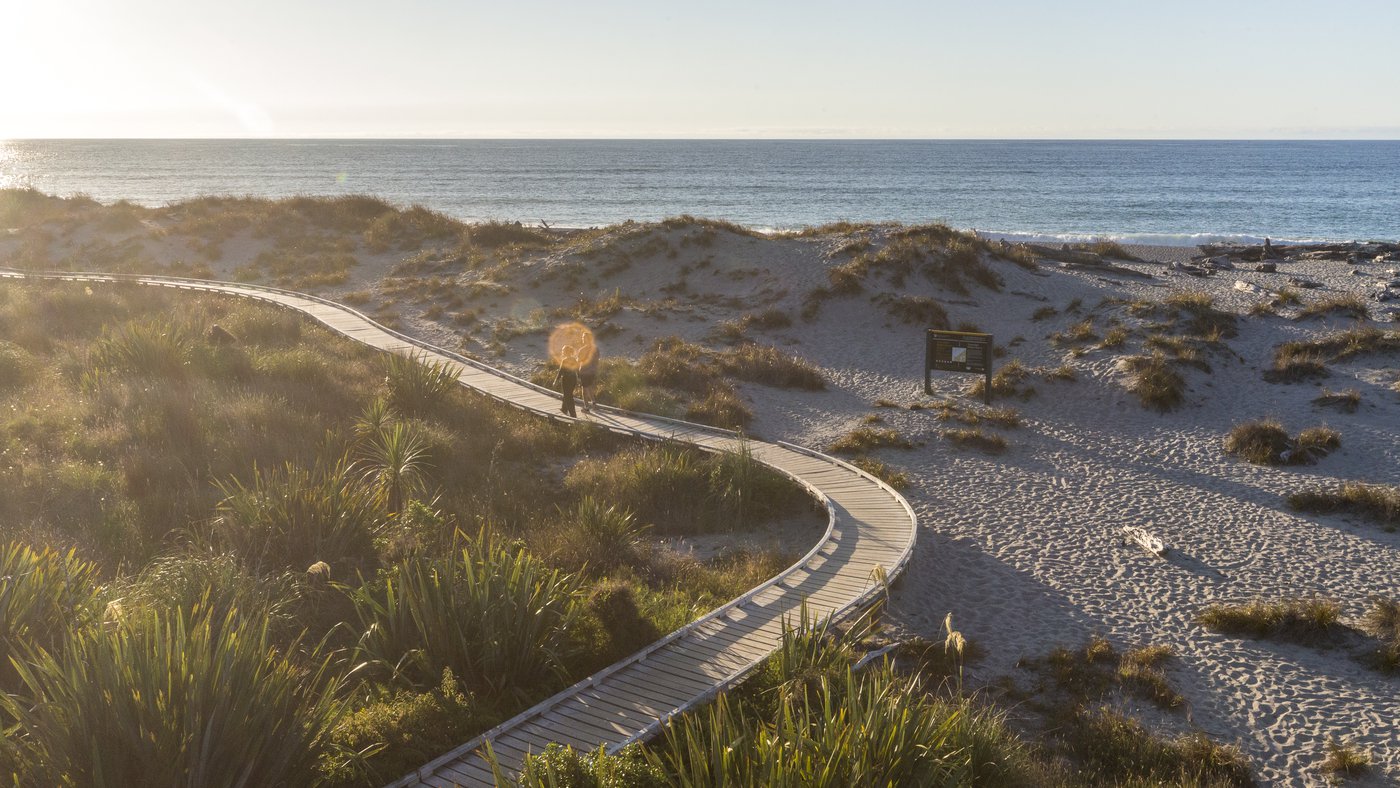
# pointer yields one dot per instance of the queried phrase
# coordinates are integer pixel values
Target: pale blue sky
(625, 68)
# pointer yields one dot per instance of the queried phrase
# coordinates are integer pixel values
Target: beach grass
(1375, 502)
(1303, 620)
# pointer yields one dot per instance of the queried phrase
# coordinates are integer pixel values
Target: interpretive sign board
(958, 351)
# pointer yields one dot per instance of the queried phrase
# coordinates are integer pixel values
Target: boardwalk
(869, 535)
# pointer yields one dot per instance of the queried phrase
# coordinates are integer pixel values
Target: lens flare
(571, 345)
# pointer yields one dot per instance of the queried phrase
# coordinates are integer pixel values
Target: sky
(631, 69)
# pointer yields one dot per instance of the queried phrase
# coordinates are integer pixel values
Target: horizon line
(316, 138)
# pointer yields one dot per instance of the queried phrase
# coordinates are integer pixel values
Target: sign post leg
(987, 389)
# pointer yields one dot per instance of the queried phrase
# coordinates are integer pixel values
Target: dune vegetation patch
(1155, 381)
(267, 506)
(1074, 697)
(1307, 359)
(974, 438)
(1265, 442)
(1378, 503)
(1309, 621)
(1345, 305)
(864, 439)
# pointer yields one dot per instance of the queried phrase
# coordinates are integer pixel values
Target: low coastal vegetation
(1309, 621)
(683, 379)
(1345, 760)
(1265, 442)
(1345, 401)
(1307, 359)
(1073, 697)
(345, 562)
(1378, 503)
(1155, 382)
(814, 714)
(975, 438)
(864, 439)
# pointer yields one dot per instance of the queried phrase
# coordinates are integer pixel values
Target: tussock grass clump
(914, 310)
(1345, 760)
(988, 442)
(1301, 620)
(292, 517)
(494, 613)
(1265, 442)
(1011, 380)
(864, 439)
(882, 471)
(1347, 305)
(1113, 749)
(1382, 621)
(17, 366)
(416, 384)
(1044, 313)
(1295, 361)
(1155, 382)
(1080, 332)
(1104, 746)
(1345, 401)
(1376, 502)
(679, 490)
(498, 233)
(947, 410)
(170, 699)
(771, 367)
(1140, 671)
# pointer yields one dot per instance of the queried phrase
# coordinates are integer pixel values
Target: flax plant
(503, 621)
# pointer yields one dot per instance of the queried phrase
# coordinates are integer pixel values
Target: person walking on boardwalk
(568, 380)
(588, 375)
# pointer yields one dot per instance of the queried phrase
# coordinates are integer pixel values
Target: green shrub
(565, 767)
(179, 699)
(401, 732)
(496, 615)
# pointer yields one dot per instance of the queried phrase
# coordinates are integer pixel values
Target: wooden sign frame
(958, 351)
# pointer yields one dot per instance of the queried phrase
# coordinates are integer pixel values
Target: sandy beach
(1022, 547)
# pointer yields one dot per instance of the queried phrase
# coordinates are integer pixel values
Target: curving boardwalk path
(870, 534)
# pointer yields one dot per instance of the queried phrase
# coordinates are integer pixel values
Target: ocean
(1158, 192)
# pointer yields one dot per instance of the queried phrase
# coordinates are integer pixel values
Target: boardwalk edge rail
(426, 770)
